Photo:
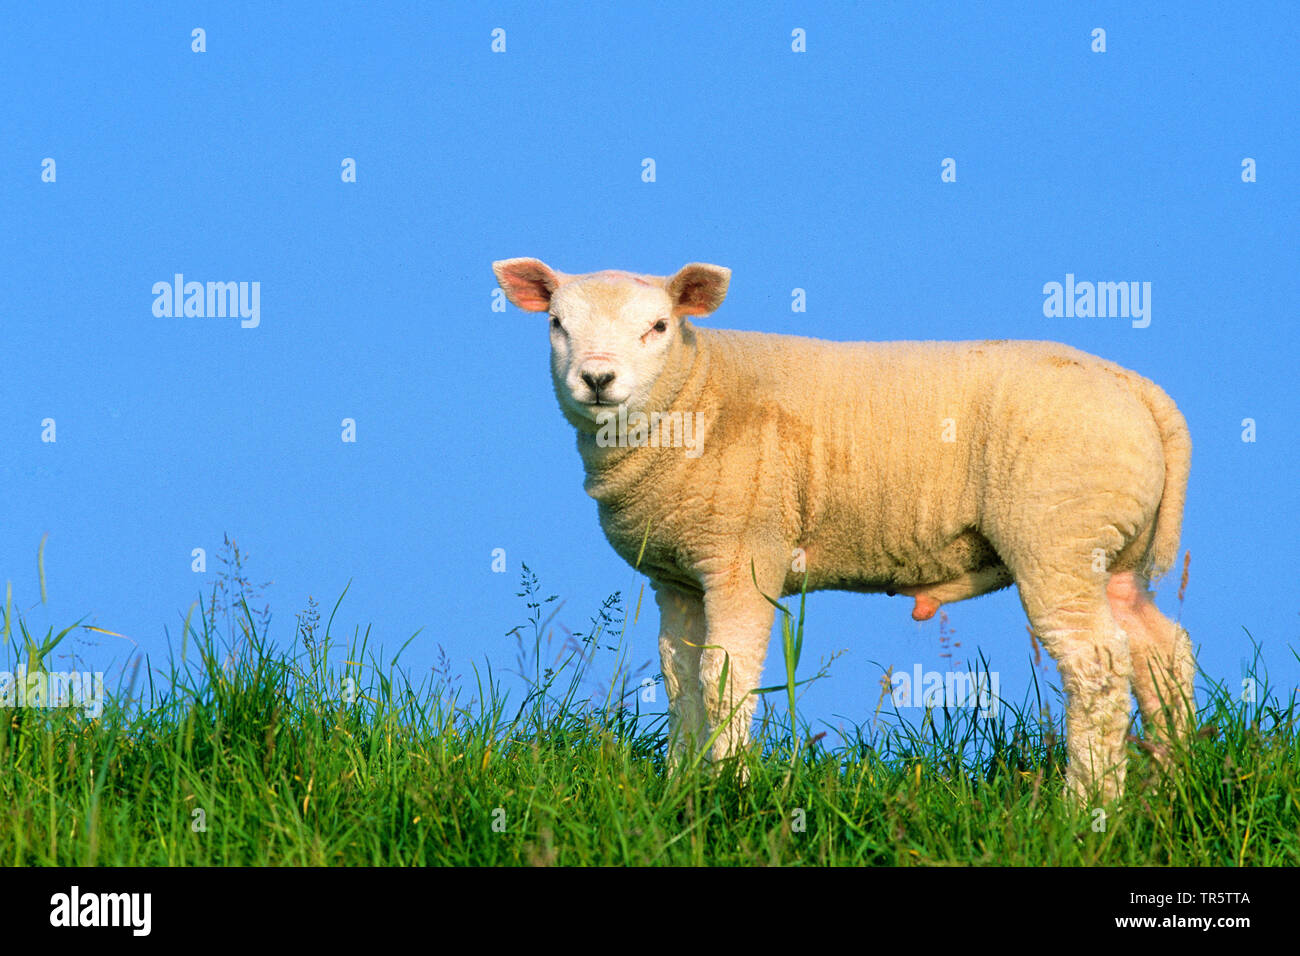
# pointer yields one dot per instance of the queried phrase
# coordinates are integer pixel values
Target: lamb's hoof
(925, 607)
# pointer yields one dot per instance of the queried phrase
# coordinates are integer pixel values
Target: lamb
(936, 470)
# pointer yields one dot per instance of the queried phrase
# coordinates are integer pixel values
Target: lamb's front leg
(681, 636)
(739, 623)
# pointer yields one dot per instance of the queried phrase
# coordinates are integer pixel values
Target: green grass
(314, 754)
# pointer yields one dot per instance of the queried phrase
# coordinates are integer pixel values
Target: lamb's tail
(1177, 442)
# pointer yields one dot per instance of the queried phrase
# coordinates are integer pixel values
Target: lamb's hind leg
(1164, 666)
(1074, 622)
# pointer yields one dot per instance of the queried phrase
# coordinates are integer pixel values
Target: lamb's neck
(615, 473)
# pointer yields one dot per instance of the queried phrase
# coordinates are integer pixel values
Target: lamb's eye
(661, 325)
(555, 322)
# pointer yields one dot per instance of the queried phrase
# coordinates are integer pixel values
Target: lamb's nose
(597, 382)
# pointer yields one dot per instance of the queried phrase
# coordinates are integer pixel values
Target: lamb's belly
(964, 566)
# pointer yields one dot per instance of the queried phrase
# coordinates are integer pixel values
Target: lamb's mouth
(593, 411)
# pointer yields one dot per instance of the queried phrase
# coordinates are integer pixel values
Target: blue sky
(816, 170)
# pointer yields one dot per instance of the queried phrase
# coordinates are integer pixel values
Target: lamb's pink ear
(528, 283)
(699, 288)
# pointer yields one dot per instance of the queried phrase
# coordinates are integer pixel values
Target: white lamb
(939, 470)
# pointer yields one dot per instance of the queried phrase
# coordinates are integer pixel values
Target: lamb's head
(612, 333)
